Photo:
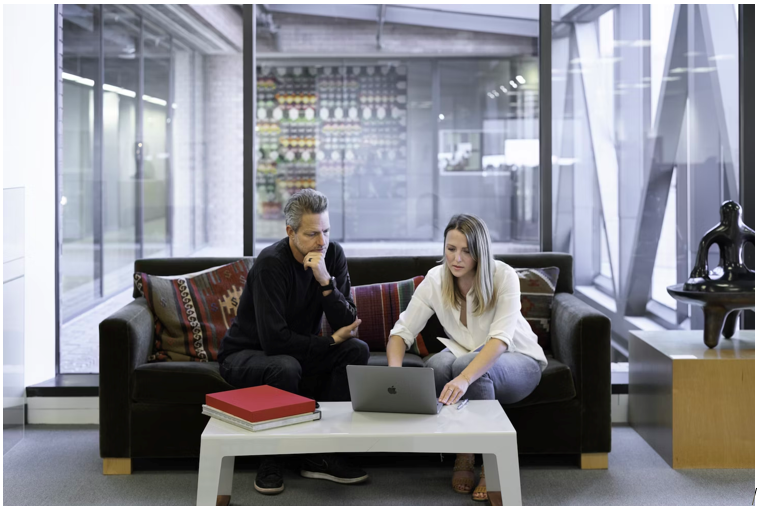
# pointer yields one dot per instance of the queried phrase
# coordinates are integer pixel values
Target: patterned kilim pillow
(537, 290)
(379, 307)
(193, 313)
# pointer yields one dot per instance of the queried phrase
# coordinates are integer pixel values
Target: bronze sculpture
(722, 297)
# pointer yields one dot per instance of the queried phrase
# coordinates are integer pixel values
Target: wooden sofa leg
(594, 461)
(116, 466)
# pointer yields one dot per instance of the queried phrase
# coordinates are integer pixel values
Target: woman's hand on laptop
(346, 332)
(454, 390)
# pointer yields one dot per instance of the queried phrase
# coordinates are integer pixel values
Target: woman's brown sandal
(480, 494)
(463, 476)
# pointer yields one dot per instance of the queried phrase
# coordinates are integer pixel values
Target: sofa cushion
(379, 359)
(379, 307)
(537, 291)
(193, 312)
(556, 385)
(182, 383)
(176, 382)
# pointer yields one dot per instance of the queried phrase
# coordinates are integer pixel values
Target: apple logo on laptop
(392, 390)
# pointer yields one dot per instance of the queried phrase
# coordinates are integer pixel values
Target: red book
(261, 403)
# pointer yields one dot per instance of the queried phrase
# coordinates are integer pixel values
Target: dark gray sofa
(154, 410)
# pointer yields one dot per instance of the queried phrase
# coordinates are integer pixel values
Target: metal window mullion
(545, 127)
(436, 97)
(249, 206)
(58, 172)
(97, 179)
(746, 133)
(169, 151)
(192, 151)
(343, 64)
(139, 148)
(682, 235)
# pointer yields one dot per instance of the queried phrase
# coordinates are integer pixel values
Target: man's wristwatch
(329, 286)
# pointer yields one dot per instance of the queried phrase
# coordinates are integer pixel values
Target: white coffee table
(481, 427)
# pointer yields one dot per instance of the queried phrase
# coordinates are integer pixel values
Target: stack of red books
(260, 408)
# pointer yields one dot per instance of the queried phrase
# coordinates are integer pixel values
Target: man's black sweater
(282, 304)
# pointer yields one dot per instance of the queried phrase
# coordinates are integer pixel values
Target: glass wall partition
(152, 152)
(156, 153)
(78, 278)
(118, 191)
(401, 124)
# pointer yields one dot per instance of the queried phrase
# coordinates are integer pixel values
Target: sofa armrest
(581, 340)
(126, 339)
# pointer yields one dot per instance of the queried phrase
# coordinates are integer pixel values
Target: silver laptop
(385, 389)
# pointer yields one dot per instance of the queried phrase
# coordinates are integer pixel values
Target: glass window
(401, 124)
(645, 107)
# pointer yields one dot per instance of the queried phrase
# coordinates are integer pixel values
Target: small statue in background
(729, 288)
(731, 234)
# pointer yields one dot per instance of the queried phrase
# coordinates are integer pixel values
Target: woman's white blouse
(503, 322)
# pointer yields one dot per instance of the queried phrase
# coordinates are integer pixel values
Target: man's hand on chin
(317, 262)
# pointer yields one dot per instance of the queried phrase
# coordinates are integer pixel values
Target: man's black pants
(250, 368)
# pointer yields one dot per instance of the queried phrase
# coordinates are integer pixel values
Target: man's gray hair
(305, 202)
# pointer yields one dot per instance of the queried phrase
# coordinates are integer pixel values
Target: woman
(477, 300)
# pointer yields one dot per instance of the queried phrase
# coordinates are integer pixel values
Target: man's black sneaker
(270, 478)
(331, 467)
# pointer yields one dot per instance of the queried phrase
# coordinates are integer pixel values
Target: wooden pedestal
(693, 405)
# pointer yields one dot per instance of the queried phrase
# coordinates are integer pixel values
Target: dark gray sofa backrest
(368, 270)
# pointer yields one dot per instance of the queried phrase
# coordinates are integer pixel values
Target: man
(273, 340)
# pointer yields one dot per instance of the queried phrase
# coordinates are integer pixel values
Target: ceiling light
(119, 90)
(495, 93)
(441, 116)
(504, 90)
(77, 79)
(513, 84)
(520, 79)
(154, 100)
(114, 89)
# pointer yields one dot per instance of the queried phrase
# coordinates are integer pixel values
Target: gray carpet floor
(60, 465)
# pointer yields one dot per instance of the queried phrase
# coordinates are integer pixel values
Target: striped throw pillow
(379, 307)
(193, 312)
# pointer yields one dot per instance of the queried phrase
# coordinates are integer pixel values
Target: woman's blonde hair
(479, 245)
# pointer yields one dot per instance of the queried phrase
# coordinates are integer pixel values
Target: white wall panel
(29, 156)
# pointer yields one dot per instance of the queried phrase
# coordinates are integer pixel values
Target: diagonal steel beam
(634, 110)
(562, 193)
(664, 146)
(585, 235)
(605, 156)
